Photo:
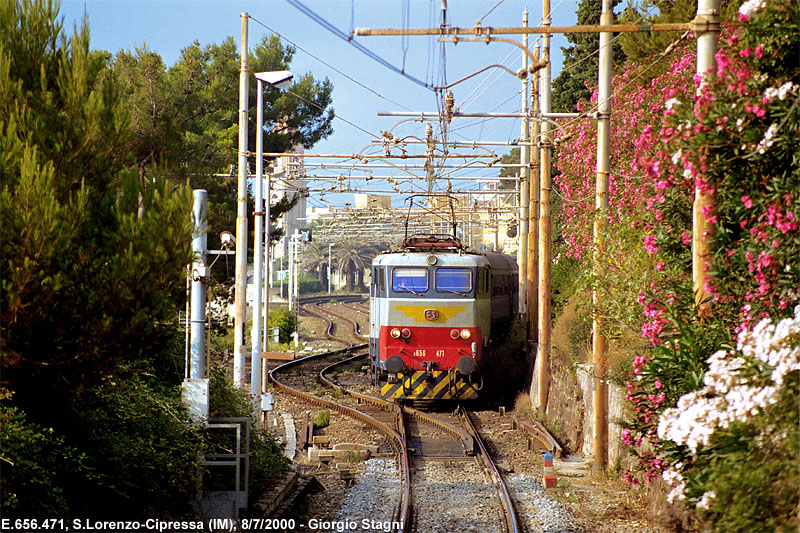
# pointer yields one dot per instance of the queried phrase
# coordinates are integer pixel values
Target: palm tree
(315, 261)
(351, 259)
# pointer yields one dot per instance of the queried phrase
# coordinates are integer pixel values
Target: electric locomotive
(435, 309)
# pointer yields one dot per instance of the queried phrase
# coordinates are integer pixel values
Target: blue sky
(167, 27)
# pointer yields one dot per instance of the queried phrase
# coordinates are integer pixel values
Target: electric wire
(376, 93)
(487, 13)
(466, 103)
(306, 100)
(361, 48)
(656, 4)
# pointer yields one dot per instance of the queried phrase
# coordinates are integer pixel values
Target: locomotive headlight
(406, 333)
(454, 333)
(465, 334)
(395, 333)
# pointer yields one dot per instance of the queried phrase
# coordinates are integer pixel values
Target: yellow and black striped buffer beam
(439, 385)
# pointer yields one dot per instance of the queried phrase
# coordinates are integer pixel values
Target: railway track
(320, 307)
(387, 422)
(436, 455)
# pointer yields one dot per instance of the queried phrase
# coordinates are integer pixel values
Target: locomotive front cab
(429, 324)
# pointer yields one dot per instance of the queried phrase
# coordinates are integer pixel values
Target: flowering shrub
(746, 411)
(719, 427)
(736, 141)
(767, 354)
(635, 108)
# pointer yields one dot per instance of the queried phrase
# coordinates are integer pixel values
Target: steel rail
(312, 306)
(356, 325)
(466, 439)
(512, 523)
(397, 438)
(329, 330)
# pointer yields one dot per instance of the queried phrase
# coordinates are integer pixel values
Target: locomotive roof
(493, 259)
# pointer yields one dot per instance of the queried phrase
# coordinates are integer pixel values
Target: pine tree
(581, 61)
(92, 424)
(185, 117)
(87, 285)
(642, 47)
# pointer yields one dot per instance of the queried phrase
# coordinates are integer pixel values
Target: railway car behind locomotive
(435, 310)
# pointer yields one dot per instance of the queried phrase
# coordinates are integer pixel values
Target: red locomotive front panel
(431, 348)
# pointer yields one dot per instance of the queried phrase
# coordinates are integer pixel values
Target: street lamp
(281, 79)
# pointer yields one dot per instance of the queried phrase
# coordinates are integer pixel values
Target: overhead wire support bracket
(364, 157)
(698, 24)
(435, 114)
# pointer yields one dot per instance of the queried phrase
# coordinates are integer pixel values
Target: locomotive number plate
(431, 314)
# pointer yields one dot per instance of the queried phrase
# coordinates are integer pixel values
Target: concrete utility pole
(702, 229)
(544, 222)
(195, 389)
(525, 171)
(600, 400)
(200, 248)
(240, 295)
(533, 225)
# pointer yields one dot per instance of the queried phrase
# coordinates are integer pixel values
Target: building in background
(288, 179)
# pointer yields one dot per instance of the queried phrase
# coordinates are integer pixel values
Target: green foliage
(579, 334)
(564, 282)
(35, 463)
(267, 463)
(731, 455)
(225, 400)
(322, 419)
(142, 445)
(679, 362)
(95, 281)
(642, 47)
(770, 450)
(580, 60)
(351, 258)
(186, 117)
(620, 273)
(93, 275)
(511, 158)
(309, 285)
(285, 320)
(316, 261)
(120, 448)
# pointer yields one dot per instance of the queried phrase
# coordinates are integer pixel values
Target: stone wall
(569, 405)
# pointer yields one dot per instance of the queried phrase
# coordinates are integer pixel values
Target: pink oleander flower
(650, 243)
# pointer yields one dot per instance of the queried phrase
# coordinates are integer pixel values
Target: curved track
(388, 423)
(318, 306)
(417, 439)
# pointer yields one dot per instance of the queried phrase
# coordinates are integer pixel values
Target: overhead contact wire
(361, 48)
(329, 65)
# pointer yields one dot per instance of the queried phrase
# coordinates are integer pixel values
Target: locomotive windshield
(457, 280)
(410, 279)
